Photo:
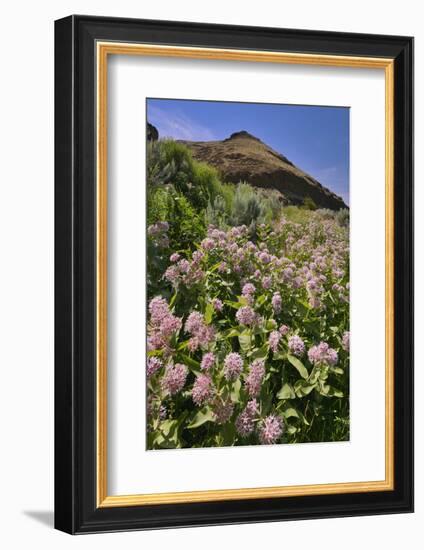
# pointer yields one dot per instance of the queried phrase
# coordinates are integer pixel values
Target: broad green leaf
(270, 325)
(229, 433)
(261, 353)
(203, 416)
(154, 353)
(337, 370)
(302, 388)
(234, 305)
(209, 311)
(245, 340)
(167, 427)
(235, 392)
(286, 392)
(191, 363)
(290, 412)
(313, 377)
(297, 364)
(261, 300)
(279, 355)
(231, 333)
(330, 391)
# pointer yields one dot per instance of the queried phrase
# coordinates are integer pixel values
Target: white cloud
(177, 125)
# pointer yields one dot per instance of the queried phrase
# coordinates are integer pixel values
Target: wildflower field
(248, 312)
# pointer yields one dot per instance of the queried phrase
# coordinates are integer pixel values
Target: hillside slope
(243, 157)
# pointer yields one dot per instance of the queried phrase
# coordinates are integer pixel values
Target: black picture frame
(76, 510)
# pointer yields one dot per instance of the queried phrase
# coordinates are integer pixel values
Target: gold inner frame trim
(104, 49)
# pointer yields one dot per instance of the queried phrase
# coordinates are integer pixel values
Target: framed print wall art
(233, 274)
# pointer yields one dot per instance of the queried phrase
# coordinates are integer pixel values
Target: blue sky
(315, 138)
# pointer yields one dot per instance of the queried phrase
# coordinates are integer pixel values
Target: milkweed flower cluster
(158, 234)
(227, 361)
(274, 340)
(245, 423)
(174, 378)
(202, 334)
(163, 325)
(296, 345)
(276, 302)
(255, 377)
(223, 410)
(203, 389)
(246, 316)
(270, 429)
(323, 355)
(208, 361)
(346, 341)
(153, 364)
(233, 366)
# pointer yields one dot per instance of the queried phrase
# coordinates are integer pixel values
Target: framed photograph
(234, 284)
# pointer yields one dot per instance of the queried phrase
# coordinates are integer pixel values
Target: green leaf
(191, 363)
(245, 340)
(261, 353)
(337, 370)
(229, 433)
(261, 300)
(303, 418)
(286, 392)
(290, 413)
(203, 416)
(270, 325)
(173, 299)
(302, 388)
(313, 377)
(279, 355)
(234, 305)
(298, 365)
(330, 391)
(209, 311)
(168, 427)
(235, 392)
(231, 333)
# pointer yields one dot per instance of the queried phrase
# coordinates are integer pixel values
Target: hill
(244, 157)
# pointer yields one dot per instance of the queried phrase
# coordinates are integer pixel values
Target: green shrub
(309, 203)
(343, 217)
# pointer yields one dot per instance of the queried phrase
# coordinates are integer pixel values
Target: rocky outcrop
(152, 132)
(243, 157)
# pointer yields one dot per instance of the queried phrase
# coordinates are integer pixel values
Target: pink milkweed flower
(245, 422)
(233, 365)
(296, 345)
(174, 257)
(346, 341)
(222, 410)
(217, 304)
(208, 361)
(248, 289)
(203, 389)
(277, 302)
(153, 365)
(246, 316)
(274, 340)
(322, 355)
(283, 330)
(255, 377)
(174, 378)
(266, 282)
(270, 429)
